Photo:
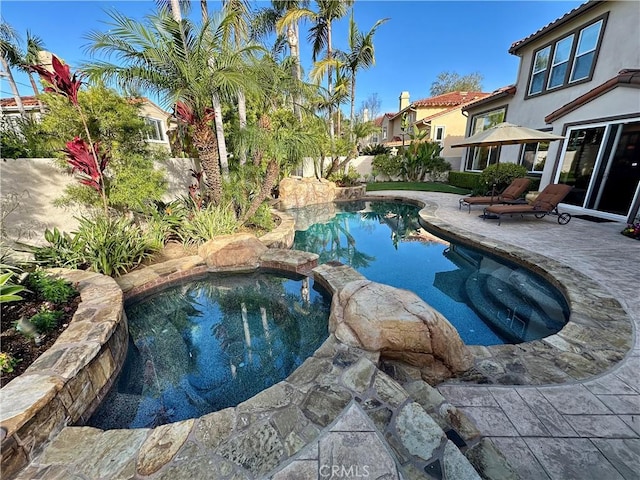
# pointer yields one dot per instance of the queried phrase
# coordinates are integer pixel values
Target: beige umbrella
(506, 134)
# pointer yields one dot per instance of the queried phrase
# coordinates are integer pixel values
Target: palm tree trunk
(205, 142)
(36, 92)
(270, 179)
(330, 83)
(352, 114)
(222, 145)
(12, 83)
(242, 116)
(293, 39)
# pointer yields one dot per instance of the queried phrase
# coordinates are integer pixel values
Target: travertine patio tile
(520, 458)
(605, 426)
(491, 421)
(572, 459)
(574, 399)
(468, 396)
(622, 404)
(623, 454)
(297, 470)
(358, 453)
(628, 372)
(521, 416)
(548, 415)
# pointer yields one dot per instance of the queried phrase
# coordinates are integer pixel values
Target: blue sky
(420, 40)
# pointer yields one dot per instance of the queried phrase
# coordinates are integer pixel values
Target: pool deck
(338, 409)
(576, 430)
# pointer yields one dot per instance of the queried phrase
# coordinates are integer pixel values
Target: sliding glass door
(602, 163)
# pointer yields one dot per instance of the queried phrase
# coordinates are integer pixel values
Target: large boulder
(238, 250)
(399, 325)
(296, 192)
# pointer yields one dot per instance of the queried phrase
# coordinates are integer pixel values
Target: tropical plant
(205, 224)
(10, 56)
(60, 81)
(348, 179)
(169, 57)
(375, 149)
(112, 246)
(63, 250)
(386, 164)
(24, 137)
(8, 290)
(422, 159)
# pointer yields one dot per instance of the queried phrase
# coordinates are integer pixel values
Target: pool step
(506, 310)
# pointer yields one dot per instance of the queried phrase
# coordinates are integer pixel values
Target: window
(384, 133)
(534, 156)
(586, 51)
(539, 70)
(439, 136)
(561, 54)
(478, 158)
(156, 130)
(570, 59)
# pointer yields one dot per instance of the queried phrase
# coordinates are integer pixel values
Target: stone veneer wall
(65, 383)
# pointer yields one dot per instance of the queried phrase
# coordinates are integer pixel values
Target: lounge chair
(546, 204)
(511, 194)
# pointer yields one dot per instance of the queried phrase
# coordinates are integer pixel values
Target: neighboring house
(440, 116)
(153, 115)
(579, 77)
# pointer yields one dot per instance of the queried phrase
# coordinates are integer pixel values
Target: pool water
(212, 343)
(488, 300)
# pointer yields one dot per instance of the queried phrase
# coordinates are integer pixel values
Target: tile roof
(378, 120)
(449, 99)
(509, 90)
(11, 102)
(625, 78)
(579, 10)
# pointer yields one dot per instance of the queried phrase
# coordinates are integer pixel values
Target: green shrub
(51, 289)
(46, 320)
(501, 174)
(113, 246)
(468, 180)
(207, 223)
(262, 219)
(63, 250)
(349, 179)
(387, 165)
(375, 149)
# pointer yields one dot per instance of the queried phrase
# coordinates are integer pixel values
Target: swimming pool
(211, 343)
(490, 301)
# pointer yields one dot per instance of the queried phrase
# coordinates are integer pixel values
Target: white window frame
(440, 129)
(156, 124)
(384, 133)
(535, 156)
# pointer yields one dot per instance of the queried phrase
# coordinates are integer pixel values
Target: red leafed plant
(186, 114)
(81, 159)
(60, 79)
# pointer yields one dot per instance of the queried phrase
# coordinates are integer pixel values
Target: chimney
(404, 101)
(365, 115)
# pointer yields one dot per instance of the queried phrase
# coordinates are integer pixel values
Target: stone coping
(66, 382)
(597, 336)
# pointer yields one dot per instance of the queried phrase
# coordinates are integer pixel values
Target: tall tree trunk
(12, 83)
(242, 116)
(330, 84)
(270, 179)
(36, 92)
(352, 113)
(205, 142)
(293, 39)
(222, 145)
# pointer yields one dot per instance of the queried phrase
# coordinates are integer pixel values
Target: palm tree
(30, 57)
(10, 56)
(264, 23)
(184, 63)
(320, 34)
(361, 55)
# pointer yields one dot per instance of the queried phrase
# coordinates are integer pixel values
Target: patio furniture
(546, 204)
(511, 194)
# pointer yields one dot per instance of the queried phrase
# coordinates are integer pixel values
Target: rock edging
(66, 382)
